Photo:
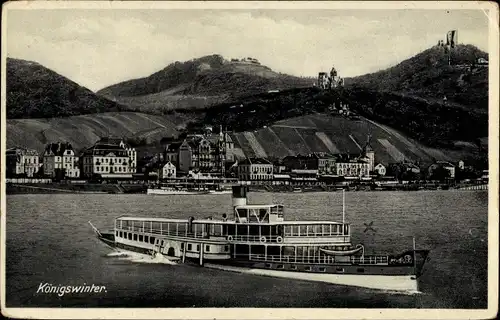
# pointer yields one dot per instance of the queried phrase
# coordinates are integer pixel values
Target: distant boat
(173, 191)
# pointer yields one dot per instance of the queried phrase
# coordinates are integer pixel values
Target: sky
(97, 48)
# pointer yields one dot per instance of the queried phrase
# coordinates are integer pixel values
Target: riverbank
(43, 188)
(59, 188)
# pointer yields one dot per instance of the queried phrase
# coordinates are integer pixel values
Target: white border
(490, 9)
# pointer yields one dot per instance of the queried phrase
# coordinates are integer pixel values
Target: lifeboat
(350, 252)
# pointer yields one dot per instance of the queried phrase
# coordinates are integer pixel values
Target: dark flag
(452, 38)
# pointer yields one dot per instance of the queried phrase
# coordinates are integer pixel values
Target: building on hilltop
(330, 81)
(21, 162)
(60, 161)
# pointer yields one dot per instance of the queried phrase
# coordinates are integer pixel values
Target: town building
(167, 170)
(380, 169)
(439, 165)
(60, 161)
(353, 168)
(208, 152)
(109, 158)
(252, 169)
(21, 162)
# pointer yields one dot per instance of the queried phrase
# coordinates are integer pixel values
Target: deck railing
(366, 260)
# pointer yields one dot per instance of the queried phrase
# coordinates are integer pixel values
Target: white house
(167, 170)
(380, 169)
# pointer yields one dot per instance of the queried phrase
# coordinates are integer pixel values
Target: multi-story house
(252, 169)
(131, 152)
(21, 162)
(108, 158)
(60, 160)
(352, 167)
(206, 153)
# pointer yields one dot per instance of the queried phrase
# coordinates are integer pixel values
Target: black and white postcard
(249, 160)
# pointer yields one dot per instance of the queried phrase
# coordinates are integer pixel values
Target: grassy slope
(83, 131)
(299, 135)
(199, 83)
(428, 75)
(34, 91)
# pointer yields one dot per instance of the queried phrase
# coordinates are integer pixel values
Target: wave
(141, 258)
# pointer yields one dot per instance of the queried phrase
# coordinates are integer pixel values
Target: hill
(84, 130)
(34, 91)
(199, 83)
(428, 75)
(335, 134)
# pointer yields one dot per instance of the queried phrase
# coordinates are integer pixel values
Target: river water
(50, 241)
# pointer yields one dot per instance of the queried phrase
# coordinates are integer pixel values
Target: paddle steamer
(258, 240)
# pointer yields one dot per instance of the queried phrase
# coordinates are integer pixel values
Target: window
(280, 266)
(141, 238)
(322, 269)
(182, 246)
(129, 236)
(146, 238)
(190, 247)
(308, 268)
(152, 240)
(226, 248)
(207, 248)
(293, 267)
(117, 233)
(268, 265)
(197, 247)
(340, 270)
(135, 237)
(121, 234)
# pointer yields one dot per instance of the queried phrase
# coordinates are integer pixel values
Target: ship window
(322, 269)
(207, 248)
(116, 233)
(182, 246)
(129, 236)
(190, 247)
(146, 238)
(226, 248)
(340, 269)
(280, 266)
(308, 268)
(293, 267)
(268, 265)
(141, 238)
(152, 240)
(361, 269)
(197, 247)
(121, 234)
(135, 237)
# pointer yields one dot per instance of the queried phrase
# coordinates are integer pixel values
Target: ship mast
(343, 206)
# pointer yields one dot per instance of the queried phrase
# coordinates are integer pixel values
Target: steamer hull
(260, 241)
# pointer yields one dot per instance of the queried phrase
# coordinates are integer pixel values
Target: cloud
(96, 48)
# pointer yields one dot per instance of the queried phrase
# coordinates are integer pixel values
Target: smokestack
(239, 196)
